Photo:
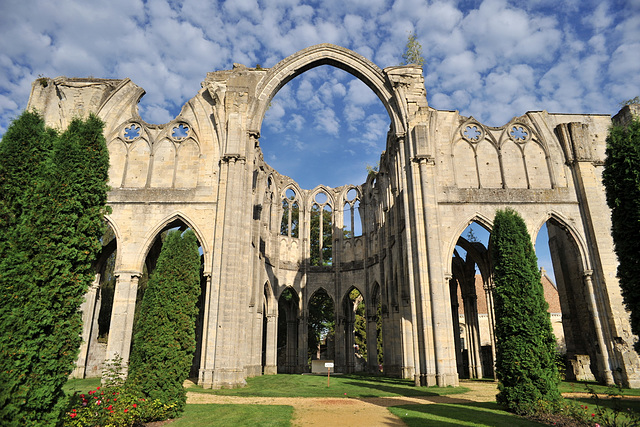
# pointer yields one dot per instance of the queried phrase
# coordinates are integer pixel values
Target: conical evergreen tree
(47, 270)
(165, 341)
(525, 345)
(621, 178)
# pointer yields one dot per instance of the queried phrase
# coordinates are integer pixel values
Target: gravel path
(354, 412)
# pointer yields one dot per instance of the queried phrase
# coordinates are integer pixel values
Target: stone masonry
(440, 172)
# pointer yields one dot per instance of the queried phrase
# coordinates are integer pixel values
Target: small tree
(621, 178)
(525, 344)
(165, 339)
(412, 51)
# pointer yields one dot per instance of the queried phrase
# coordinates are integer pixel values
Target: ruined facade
(440, 172)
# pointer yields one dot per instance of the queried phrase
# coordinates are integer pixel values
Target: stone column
(271, 364)
(209, 329)
(88, 316)
(604, 350)
(372, 343)
(122, 315)
(488, 291)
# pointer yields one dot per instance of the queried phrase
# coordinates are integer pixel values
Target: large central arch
(315, 56)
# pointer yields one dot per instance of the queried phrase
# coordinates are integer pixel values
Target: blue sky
(493, 59)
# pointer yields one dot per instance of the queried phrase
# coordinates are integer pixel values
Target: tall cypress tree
(48, 267)
(525, 344)
(165, 341)
(621, 178)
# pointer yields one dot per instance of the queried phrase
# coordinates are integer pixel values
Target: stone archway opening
(288, 307)
(472, 307)
(355, 331)
(324, 127)
(571, 305)
(97, 309)
(321, 327)
(149, 266)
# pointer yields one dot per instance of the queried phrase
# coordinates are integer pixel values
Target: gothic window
(351, 215)
(290, 225)
(321, 233)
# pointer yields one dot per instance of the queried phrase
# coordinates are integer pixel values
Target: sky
(491, 59)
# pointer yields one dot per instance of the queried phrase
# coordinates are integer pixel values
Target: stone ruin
(440, 172)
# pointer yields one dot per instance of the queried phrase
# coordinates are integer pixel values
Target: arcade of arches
(269, 246)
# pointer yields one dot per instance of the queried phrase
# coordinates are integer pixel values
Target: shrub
(164, 343)
(525, 346)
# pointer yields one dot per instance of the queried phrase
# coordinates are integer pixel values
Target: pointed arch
(175, 217)
(478, 218)
(577, 238)
(324, 54)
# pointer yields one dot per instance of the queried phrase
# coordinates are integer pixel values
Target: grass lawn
(235, 415)
(284, 385)
(453, 414)
(81, 386)
(581, 387)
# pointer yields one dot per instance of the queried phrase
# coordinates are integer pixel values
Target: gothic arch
(571, 231)
(151, 235)
(116, 231)
(324, 54)
(479, 218)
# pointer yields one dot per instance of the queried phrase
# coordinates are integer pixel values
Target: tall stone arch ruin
(439, 172)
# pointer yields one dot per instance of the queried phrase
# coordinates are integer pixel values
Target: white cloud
(327, 122)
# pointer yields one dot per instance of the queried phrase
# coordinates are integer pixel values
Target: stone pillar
(372, 342)
(491, 314)
(604, 351)
(209, 329)
(122, 315)
(297, 332)
(271, 363)
(455, 317)
(470, 301)
(88, 317)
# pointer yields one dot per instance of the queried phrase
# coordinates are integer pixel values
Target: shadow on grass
(469, 413)
(396, 386)
(621, 405)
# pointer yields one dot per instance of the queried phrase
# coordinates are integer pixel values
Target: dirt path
(352, 412)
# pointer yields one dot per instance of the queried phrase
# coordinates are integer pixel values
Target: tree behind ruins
(621, 178)
(525, 345)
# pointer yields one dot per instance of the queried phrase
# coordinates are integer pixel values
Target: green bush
(164, 343)
(525, 345)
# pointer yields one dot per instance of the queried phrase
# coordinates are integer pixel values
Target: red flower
(593, 415)
(82, 395)
(126, 410)
(73, 415)
(97, 388)
(135, 405)
(109, 407)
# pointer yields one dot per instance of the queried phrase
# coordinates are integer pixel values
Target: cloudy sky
(493, 59)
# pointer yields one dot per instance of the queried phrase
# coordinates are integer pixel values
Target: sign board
(328, 365)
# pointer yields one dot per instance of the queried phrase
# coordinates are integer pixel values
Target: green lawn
(360, 386)
(235, 415)
(454, 414)
(81, 386)
(582, 387)
(340, 386)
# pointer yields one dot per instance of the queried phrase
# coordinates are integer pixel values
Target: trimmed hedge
(165, 341)
(525, 345)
